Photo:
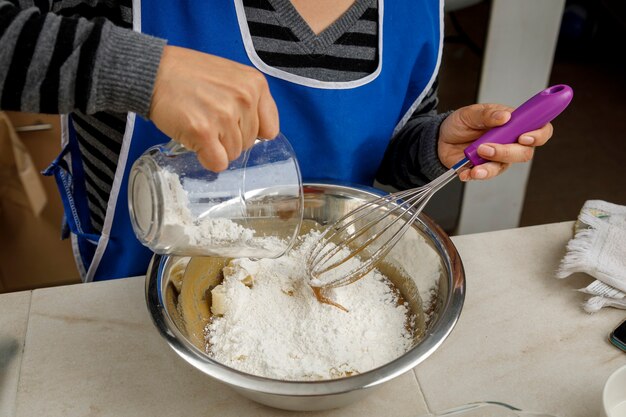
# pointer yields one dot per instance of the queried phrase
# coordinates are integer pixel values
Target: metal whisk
(354, 244)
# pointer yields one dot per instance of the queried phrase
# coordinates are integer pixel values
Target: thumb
(484, 116)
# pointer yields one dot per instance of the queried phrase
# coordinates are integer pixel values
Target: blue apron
(339, 130)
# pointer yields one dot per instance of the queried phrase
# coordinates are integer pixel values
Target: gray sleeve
(125, 69)
(55, 64)
(411, 159)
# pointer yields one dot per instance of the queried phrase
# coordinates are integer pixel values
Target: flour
(273, 326)
(206, 231)
(187, 233)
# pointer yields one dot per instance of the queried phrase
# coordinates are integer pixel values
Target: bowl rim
(609, 387)
(437, 333)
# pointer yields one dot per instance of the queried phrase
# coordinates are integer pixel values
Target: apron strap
(74, 215)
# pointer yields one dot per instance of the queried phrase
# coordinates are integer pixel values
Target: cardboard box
(32, 255)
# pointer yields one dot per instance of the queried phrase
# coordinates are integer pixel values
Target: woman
(354, 82)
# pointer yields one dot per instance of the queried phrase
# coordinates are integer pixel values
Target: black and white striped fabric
(100, 141)
(346, 50)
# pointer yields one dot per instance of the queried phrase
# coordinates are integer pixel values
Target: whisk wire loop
(327, 256)
(343, 224)
(372, 260)
(371, 230)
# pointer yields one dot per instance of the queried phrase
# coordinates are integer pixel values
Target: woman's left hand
(469, 123)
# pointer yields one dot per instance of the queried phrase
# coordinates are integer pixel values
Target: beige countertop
(522, 339)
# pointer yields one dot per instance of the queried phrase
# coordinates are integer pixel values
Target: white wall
(520, 47)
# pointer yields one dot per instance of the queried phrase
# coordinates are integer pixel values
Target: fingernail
(499, 115)
(480, 173)
(486, 150)
(526, 140)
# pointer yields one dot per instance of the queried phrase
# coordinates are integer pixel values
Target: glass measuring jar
(252, 209)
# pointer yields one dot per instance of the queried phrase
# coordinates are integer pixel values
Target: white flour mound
(278, 329)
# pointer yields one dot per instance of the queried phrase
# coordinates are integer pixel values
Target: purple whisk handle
(533, 114)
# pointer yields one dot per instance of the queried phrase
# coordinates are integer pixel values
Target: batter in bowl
(262, 317)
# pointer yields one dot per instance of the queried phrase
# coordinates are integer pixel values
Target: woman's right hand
(213, 106)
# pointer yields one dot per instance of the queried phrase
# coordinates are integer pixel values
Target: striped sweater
(344, 51)
(81, 57)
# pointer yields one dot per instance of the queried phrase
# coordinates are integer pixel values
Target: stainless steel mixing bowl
(324, 204)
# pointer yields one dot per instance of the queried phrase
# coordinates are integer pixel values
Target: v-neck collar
(308, 40)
